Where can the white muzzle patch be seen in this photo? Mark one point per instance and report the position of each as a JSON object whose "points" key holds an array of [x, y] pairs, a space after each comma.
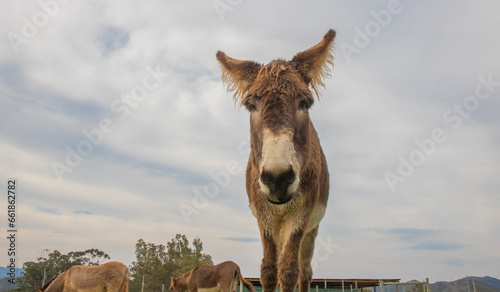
{"points": [[278, 156]]}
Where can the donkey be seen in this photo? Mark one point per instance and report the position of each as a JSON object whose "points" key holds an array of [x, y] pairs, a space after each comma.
{"points": [[287, 179], [110, 277], [222, 277]]}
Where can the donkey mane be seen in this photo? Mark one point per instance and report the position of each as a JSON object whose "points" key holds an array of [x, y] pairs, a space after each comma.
{"points": [[188, 273], [274, 69], [57, 281], [49, 282]]}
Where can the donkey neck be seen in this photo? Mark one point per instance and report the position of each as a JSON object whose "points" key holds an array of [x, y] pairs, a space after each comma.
{"points": [[182, 282], [56, 285]]}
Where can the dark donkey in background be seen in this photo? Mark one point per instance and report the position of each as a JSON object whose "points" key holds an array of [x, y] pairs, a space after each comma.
{"points": [[287, 179], [223, 277]]}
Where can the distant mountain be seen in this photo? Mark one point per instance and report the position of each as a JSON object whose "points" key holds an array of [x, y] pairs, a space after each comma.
{"points": [[494, 282], [4, 271], [481, 284], [5, 285], [4, 278]]}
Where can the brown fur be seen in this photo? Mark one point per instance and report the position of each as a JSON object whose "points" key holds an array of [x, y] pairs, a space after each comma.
{"points": [[110, 277], [222, 277], [278, 96]]}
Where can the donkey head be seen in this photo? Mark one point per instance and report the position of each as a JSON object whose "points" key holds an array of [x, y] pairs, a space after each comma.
{"points": [[173, 287], [179, 284], [278, 96]]}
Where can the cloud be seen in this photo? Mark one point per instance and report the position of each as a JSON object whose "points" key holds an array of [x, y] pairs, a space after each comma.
{"points": [[113, 39], [83, 212], [459, 263], [437, 246], [242, 239], [425, 239], [411, 234], [183, 136]]}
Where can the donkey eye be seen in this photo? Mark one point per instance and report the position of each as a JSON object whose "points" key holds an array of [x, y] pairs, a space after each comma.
{"points": [[250, 107], [304, 105]]}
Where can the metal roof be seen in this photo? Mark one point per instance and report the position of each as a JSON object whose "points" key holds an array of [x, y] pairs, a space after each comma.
{"points": [[338, 283]]}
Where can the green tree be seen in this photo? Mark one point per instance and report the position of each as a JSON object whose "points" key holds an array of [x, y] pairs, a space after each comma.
{"points": [[55, 263], [151, 265], [156, 262], [90, 257], [193, 258]]}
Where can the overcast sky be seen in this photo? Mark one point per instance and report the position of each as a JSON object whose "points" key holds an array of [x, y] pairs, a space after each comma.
{"points": [[116, 126]]}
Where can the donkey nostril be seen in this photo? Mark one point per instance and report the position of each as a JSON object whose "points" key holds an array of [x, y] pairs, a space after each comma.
{"points": [[266, 177], [289, 176]]}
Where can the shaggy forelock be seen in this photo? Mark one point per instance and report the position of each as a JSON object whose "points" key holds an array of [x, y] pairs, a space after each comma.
{"points": [[278, 78]]}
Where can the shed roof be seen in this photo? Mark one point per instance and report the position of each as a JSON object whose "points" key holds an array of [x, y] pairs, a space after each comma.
{"points": [[338, 283]]}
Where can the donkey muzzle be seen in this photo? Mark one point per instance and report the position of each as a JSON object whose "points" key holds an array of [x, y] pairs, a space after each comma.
{"points": [[278, 185]]}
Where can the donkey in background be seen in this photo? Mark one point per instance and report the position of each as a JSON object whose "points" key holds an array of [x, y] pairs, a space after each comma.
{"points": [[110, 277], [287, 179], [223, 277]]}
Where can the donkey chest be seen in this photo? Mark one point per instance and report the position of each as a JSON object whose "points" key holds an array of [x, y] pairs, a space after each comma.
{"points": [[283, 222]]}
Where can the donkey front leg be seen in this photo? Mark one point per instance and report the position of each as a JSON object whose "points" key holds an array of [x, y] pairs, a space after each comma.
{"points": [[268, 269], [306, 254], [288, 263]]}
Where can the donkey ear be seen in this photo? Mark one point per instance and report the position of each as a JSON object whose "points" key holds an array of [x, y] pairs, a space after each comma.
{"points": [[313, 63], [237, 75]]}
